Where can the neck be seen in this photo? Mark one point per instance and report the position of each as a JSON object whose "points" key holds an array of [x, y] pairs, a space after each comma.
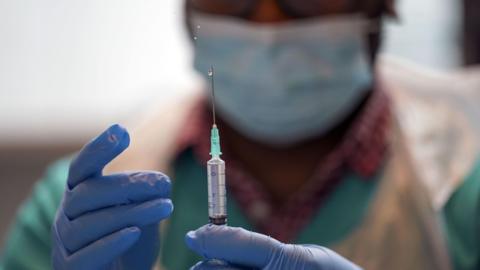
{"points": [[283, 171]]}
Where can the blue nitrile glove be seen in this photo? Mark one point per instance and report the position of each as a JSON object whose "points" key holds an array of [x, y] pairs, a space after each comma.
{"points": [[253, 250], [109, 221]]}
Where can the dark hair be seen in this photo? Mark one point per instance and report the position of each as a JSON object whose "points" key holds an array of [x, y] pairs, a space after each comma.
{"points": [[471, 32]]}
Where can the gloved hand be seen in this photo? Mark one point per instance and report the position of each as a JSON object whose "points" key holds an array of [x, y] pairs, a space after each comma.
{"points": [[109, 221], [246, 250]]}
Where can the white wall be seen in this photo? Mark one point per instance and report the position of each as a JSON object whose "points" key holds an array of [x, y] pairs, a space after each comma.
{"points": [[69, 68], [427, 33]]}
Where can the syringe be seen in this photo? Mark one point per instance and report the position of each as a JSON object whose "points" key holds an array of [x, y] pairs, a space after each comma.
{"points": [[217, 194]]}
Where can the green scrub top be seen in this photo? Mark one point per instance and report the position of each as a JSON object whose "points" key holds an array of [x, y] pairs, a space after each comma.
{"points": [[28, 245]]}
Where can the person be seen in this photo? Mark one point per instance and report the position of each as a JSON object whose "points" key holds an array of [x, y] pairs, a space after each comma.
{"points": [[329, 164]]}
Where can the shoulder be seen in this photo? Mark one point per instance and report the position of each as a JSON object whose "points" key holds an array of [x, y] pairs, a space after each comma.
{"points": [[438, 114], [29, 236], [46, 195], [460, 216]]}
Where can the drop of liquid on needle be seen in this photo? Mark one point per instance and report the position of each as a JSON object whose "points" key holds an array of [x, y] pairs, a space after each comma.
{"points": [[210, 73], [195, 38]]}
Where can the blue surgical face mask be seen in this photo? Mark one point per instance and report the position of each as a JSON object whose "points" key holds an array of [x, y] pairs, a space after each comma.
{"points": [[282, 84]]}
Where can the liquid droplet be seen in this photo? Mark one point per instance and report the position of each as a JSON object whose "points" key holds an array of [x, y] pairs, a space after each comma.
{"points": [[210, 72], [195, 38], [198, 26]]}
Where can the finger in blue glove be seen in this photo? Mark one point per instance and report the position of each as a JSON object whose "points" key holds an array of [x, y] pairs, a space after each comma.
{"points": [[242, 247], [97, 254], [216, 265], [96, 154]]}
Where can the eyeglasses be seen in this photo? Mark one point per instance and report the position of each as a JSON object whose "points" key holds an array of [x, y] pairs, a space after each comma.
{"points": [[293, 8]]}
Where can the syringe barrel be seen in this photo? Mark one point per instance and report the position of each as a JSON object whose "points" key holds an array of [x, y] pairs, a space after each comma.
{"points": [[217, 193]]}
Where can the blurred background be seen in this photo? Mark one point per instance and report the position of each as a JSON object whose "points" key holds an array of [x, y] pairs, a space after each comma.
{"points": [[68, 69]]}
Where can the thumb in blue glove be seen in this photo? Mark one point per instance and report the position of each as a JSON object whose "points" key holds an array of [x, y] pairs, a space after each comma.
{"points": [[253, 250]]}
